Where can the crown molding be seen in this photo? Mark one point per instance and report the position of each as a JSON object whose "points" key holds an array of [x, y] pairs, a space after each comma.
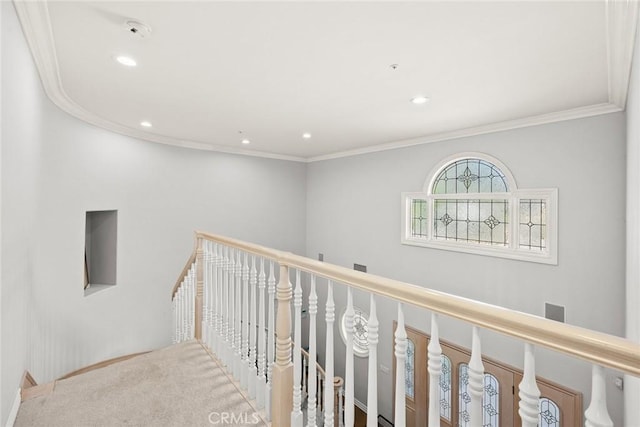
{"points": [[560, 116], [621, 25], [622, 19], [36, 24]]}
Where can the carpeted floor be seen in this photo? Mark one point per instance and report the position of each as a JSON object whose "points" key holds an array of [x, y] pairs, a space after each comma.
{"points": [[177, 386]]}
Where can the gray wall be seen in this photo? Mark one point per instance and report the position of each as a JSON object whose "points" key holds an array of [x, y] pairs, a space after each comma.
{"points": [[632, 384], [20, 154], [353, 215], [54, 169]]}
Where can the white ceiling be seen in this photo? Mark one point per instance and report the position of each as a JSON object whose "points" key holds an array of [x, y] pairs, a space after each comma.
{"points": [[274, 70]]}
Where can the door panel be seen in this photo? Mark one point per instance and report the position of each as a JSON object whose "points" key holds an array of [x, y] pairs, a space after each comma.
{"points": [[563, 410], [500, 400], [415, 378]]}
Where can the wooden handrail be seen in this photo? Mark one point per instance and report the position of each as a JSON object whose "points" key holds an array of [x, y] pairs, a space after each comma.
{"points": [[305, 354], [595, 347], [185, 270]]}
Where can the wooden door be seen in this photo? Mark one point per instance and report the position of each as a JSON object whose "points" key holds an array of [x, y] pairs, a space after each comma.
{"points": [[415, 378], [559, 406], [497, 400]]}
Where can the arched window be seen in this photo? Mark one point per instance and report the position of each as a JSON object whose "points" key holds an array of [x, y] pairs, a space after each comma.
{"points": [[445, 389], [409, 369], [471, 203], [549, 413]]}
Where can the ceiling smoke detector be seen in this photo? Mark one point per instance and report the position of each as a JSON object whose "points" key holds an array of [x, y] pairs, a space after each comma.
{"points": [[138, 28]]}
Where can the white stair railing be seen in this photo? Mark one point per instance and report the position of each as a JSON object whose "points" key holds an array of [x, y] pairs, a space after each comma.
{"points": [[529, 405], [476, 380], [312, 384], [220, 299], [261, 389], [434, 363], [271, 291], [252, 362], [328, 361], [349, 385], [296, 413], [401, 356], [596, 414], [372, 386]]}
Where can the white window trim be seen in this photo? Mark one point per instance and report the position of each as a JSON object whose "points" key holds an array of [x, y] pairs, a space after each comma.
{"points": [[513, 250]]}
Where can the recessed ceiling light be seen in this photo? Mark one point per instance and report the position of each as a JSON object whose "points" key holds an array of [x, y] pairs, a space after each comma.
{"points": [[420, 100], [306, 135], [145, 124], [126, 60], [246, 141]]}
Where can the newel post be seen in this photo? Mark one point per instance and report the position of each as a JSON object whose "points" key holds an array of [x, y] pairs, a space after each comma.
{"points": [[199, 289], [282, 401]]}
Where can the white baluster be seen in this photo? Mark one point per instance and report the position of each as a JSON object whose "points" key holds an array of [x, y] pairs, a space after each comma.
{"points": [[237, 359], [328, 384], [435, 371], [213, 316], [296, 413], [244, 353], [227, 309], [271, 343], [372, 386], [312, 381], [349, 380], [219, 260], [262, 347], [180, 314], [251, 361], [232, 310], [206, 293], [176, 300], [204, 326], [401, 357], [173, 320], [185, 308], [529, 393], [213, 297], [596, 414], [222, 303], [476, 381], [188, 296], [176, 325]]}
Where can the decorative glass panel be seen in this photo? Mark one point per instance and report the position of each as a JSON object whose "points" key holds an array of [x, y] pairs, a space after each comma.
{"points": [[549, 413], [464, 398], [445, 389], [468, 220], [409, 370], [470, 176], [419, 218], [533, 224], [491, 401]]}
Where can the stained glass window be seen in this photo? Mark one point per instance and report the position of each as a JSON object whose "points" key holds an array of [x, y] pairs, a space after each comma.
{"points": [[470, 176], [419, 218], [533, 224], [490, 399], [464, 398], [472, 204], [470, 220], [409, 370], [549, 413], [445, 389]]}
